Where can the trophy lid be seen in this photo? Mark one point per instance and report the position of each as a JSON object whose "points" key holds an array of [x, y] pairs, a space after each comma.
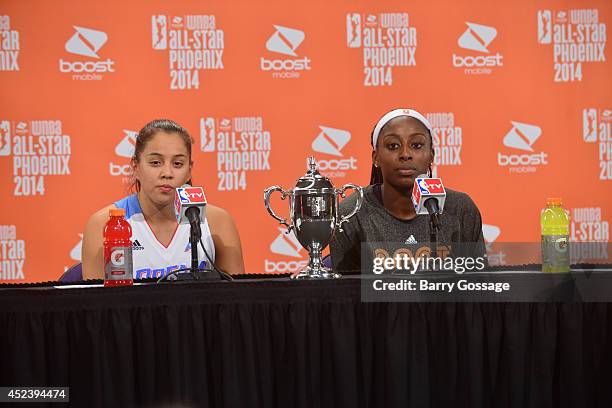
{"points": [[313, 180]]}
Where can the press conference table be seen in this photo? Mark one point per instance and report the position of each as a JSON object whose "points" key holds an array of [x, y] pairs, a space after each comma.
{"points": [[280, 343]]}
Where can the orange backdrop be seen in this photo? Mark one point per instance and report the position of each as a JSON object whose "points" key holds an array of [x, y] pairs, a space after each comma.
{"points": [[520, 94]]}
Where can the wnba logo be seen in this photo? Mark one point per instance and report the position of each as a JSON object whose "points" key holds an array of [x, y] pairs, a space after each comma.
{"points": [[353, 30], [596, 124], [159, 32], [597, 128], [589, 125], [544, 26], [5, 138], [207, 134]]}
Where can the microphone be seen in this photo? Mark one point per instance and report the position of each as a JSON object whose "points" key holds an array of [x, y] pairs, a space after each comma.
{"points": [[190, 207], [428, 196]]}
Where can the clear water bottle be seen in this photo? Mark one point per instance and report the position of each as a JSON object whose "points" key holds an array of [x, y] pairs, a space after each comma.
{"points": [[554, 222]]}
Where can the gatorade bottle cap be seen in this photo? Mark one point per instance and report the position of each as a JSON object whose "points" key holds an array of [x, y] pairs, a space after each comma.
{"points": [[554, 201], [117, 212]]}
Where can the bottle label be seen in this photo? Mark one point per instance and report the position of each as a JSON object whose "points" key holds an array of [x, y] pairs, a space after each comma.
{"points": [[119, 264], [555, 251]]}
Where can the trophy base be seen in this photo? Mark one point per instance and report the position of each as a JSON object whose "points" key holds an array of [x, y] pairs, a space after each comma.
{"points": [[319, 273]]}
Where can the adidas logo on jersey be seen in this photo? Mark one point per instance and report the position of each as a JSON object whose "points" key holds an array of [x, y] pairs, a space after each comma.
{"points": [[136, 246], [411, 240]]}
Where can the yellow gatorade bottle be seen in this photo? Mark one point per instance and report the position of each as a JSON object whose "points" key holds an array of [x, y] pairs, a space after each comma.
{"points": [[554, 222]]}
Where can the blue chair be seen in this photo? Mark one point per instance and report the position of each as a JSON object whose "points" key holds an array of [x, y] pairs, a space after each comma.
{"points": [[327, 261], [73, 274]]}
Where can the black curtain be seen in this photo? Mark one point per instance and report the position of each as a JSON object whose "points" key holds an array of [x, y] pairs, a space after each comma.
{"points": [[301, 344]]}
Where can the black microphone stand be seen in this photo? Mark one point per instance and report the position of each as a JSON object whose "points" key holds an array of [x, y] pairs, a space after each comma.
{"points": [[432, 207], [433, 236], [193, 241], [195, 235]]}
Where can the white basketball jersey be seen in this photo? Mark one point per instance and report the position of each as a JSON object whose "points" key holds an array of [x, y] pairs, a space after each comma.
{"points": [[151, 258]]}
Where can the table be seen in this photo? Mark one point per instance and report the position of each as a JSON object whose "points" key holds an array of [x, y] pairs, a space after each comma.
{"points": [[279, 343]]}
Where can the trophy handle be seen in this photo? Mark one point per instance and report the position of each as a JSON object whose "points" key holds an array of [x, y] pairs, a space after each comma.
{"points": [[342, 193], [267, 193]]}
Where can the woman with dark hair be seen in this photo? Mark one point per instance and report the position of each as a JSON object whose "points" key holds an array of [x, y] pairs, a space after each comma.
{"points": [[161, 163], [402, 150]]}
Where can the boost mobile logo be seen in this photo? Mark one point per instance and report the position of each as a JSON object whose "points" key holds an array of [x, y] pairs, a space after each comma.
{"points": [[331, 141], [287, 245], [75, 253], [490, 234], [285, 41], [127, 145], [477, 37], [522, 137], [86, 42], [125, 148]]}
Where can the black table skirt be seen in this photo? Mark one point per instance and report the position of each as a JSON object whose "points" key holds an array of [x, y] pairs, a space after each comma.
{"points": [[301, 344]]}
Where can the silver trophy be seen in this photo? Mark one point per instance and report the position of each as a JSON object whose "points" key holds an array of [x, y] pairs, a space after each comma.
{"points": [[313, 208]]}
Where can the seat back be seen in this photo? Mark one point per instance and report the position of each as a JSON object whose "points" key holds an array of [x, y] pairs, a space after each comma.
{"points": [[73, 274], [327, 261]]}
